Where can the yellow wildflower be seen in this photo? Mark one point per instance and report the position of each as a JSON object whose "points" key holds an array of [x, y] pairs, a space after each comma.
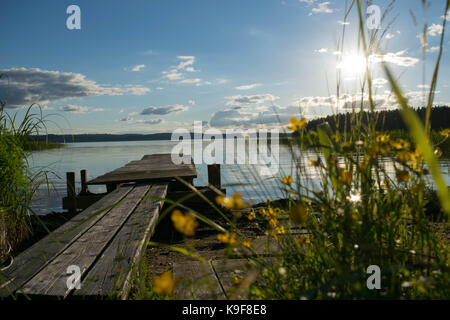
{"points": [[345, 177], [237, 280], [397, 144], [383, 138], [281, 230], [229, 238], [273, 222], [402, 175], [274, 235], [404, 156], [416, 159], [269, 212], [287, 180], [297, 125], [335, 137], [247, 243], [438, 152], [233, 203], [314, 163], [251, 216], [445, 133], [302, 241], [164, 284], [184, 223], [298, 213]]}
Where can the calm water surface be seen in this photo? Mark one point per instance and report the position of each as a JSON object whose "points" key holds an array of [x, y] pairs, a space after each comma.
{"points": [[101, 157]]}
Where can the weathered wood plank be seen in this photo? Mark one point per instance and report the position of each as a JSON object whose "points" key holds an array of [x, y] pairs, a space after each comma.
{"points": [[143, 176], [33, 259], [227, 271], [199, 281], [163, 156], [51, 280], [157, 167], [112, 272]]}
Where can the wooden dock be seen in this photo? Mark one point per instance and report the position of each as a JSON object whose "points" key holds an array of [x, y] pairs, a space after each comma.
{"points": [[105, 241]]}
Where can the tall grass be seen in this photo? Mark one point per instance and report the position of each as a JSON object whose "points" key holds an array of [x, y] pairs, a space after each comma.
{"points": [[17, 184], [362, 215]]}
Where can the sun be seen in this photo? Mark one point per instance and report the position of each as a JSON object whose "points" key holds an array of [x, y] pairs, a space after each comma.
{"points": [[352, 65]]}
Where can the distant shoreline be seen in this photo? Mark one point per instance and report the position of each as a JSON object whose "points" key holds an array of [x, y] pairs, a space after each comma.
{"points": [[77, 138]]}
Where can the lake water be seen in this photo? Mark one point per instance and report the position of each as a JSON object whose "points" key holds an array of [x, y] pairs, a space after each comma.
{"points": [[101, 157]]}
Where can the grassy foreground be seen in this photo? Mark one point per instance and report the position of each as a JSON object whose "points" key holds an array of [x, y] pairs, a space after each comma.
{"points": [[366, 233], [17, 184]]}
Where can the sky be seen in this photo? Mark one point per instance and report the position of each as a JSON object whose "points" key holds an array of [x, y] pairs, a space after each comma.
{"points": [[147, 66]]}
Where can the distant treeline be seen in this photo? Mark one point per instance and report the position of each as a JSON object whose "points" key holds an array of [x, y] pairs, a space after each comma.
{"points": [[387, 120], [67, 138]]}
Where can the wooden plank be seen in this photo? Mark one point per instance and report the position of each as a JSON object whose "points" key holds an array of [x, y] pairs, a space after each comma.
{"points": [[198, 281], [114, 268], [51, 280], [157, 167], [163, 156], [33, 259], [147, 176], [226, 271]]}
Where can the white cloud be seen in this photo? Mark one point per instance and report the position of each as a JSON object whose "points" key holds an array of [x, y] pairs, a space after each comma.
{"points": [[389, 36], [396, 58], [379, 82], [151, 121], [248, 86], [310, 107], [191, 81], [79, 109], [221, 81], [434, 30], [163, 110], [191, 102], [239, 100], [322, 8], [149, 53], [307, 1], [130, 120], [178, 73], [433, 49], [321, 50], [343, 22], [138, 68], [22, 87]]}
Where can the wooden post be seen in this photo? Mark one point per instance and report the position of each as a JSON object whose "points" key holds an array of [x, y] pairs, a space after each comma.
{"points": [[71, 194], [84, 187], [214, 175], [110, 187]]}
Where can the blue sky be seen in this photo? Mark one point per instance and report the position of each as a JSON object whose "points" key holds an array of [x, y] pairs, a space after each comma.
{"points": [[154, 65]]}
